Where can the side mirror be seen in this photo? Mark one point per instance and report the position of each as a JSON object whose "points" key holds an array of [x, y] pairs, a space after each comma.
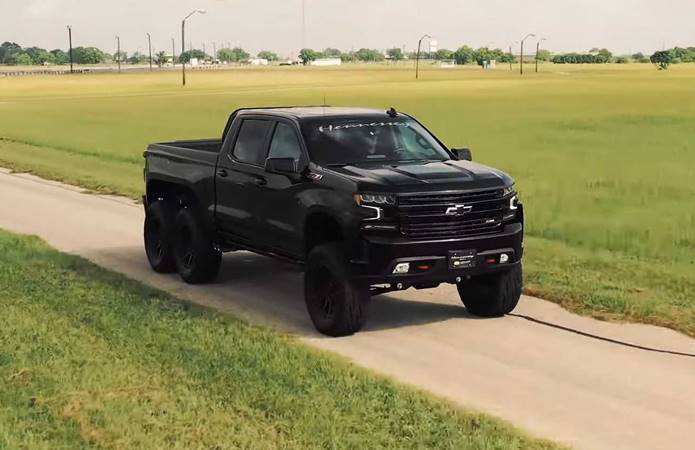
{"points": [[283, 166], [463, 154]]}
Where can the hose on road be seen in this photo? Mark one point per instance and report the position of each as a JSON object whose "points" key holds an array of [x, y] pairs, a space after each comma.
{"points": [[601, 338]]}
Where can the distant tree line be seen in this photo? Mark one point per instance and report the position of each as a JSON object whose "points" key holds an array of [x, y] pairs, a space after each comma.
{"points": [[13, 54]]}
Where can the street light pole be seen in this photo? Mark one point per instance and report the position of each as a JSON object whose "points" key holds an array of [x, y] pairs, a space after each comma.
{"points": [[538, 48], [173, 52], [417, 57], [70, 41], [118, 53], [149, 46], [183, 41], [521, 57]]}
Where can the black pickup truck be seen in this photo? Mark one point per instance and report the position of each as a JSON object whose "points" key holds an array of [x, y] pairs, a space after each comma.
{"points": [[367, 201]]}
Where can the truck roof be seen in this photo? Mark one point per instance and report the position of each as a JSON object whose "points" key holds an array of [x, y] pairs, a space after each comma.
{"points": [[306, 112]]}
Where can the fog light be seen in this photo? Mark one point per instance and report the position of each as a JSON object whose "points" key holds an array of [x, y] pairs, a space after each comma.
{"points": [[504, 258], [402, 268]]}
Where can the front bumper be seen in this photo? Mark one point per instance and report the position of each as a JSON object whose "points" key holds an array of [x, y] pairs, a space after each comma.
{"points": [[379, 256]]}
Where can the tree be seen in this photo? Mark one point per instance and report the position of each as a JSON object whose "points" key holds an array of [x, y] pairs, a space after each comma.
{"points": [[39, 55], [443, 54], [307, 55], [160, 59], [138, 58], [267, 54], [544, 55], [60, 57], [396, 54], [331, 53], [662, 59], [369, 55], [122, 57], [88, 55], [21, 59], [464, 55], [639, 57], [194, 54], [7, 50], [621, 60], [606, 55], [235, 54]]}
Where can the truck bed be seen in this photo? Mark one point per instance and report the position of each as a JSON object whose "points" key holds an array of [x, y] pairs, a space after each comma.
{"points": [[202, 151]]}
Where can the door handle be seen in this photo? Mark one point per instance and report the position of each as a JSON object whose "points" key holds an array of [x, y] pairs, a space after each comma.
{"points": [[260, 181], [222, 173]]}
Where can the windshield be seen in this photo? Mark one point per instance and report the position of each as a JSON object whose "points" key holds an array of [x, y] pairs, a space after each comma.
{"points": [[339, 142]]}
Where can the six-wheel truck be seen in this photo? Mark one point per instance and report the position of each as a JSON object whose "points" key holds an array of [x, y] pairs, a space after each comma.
{"points": [[367, 201]]}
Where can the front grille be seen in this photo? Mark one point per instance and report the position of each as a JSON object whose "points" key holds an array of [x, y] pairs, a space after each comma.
{"points": [[424, 216]]}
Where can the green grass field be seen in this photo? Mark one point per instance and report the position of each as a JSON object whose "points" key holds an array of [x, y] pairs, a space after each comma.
{"points": [[604, 156], [90, 359]]}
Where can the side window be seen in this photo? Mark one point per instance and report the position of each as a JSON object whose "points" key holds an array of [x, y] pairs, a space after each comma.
{"points": [[250, 143], [285, 143]]}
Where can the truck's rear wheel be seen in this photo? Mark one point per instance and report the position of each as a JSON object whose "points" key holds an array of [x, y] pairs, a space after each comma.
{"points": [[337, 305], [159, 223], [196, 258], [492, 295]]}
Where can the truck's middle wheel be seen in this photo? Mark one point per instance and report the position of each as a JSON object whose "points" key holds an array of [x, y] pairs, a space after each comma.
{"points": [[196, 258], [336, 304]]}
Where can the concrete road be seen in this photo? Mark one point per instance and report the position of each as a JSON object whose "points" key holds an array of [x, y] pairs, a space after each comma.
{"points": [[555, 383]]}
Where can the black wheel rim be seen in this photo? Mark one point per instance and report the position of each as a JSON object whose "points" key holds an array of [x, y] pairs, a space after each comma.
{"points": [[155, 243], [187, 255], [327, 293]]}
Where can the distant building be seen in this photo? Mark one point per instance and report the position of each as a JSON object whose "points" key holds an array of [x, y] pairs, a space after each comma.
{"points": [[447, 63], [258, 62], [326, 62]]}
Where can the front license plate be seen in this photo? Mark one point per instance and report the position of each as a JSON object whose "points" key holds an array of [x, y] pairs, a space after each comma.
{"points": [[462, 259]]}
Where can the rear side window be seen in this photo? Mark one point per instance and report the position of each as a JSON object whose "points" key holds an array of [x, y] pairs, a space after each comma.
{"points": [[285, 143], [250, 146]]}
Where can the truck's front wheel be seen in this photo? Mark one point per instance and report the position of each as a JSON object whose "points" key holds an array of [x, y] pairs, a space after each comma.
{"points": [[492, 295], [336, 304], [196, 258], [159, 221]]}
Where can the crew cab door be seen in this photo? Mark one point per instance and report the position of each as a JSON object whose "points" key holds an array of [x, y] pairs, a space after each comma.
{"points": [[240, 173], [281, 214]]}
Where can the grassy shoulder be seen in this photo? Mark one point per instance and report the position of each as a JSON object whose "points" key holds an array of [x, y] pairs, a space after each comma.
{"points": [[89, 358]]}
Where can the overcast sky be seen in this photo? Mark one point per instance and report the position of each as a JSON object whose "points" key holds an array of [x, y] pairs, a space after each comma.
{"points": [[570, 25]]}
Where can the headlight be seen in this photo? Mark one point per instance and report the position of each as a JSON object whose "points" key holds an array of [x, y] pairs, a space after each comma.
{"points": [[375, 199], [514, 203], [508, 190]]}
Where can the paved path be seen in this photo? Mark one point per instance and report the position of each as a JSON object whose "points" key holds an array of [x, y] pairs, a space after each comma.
{"points": [[554, 383]]}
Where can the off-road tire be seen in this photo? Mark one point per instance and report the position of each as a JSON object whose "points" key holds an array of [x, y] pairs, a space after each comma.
{"points": [[158, 236], [337, 305], [492, 295], [197, 261]]}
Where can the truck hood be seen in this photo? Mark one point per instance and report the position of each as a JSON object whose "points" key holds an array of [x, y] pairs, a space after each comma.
{"points": [[431, 176]]}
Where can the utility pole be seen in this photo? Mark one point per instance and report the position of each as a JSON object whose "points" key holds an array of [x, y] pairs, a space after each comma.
{"points": [[149, 46], [118, 53], [173, 52], [538, 48], [511, 56], [183, 40], [214, 51], [417, 57], [521, 57], [70, 42]]}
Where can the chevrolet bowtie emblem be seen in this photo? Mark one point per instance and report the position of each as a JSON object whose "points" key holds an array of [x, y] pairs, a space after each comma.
{"points": [[458, 210]]}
